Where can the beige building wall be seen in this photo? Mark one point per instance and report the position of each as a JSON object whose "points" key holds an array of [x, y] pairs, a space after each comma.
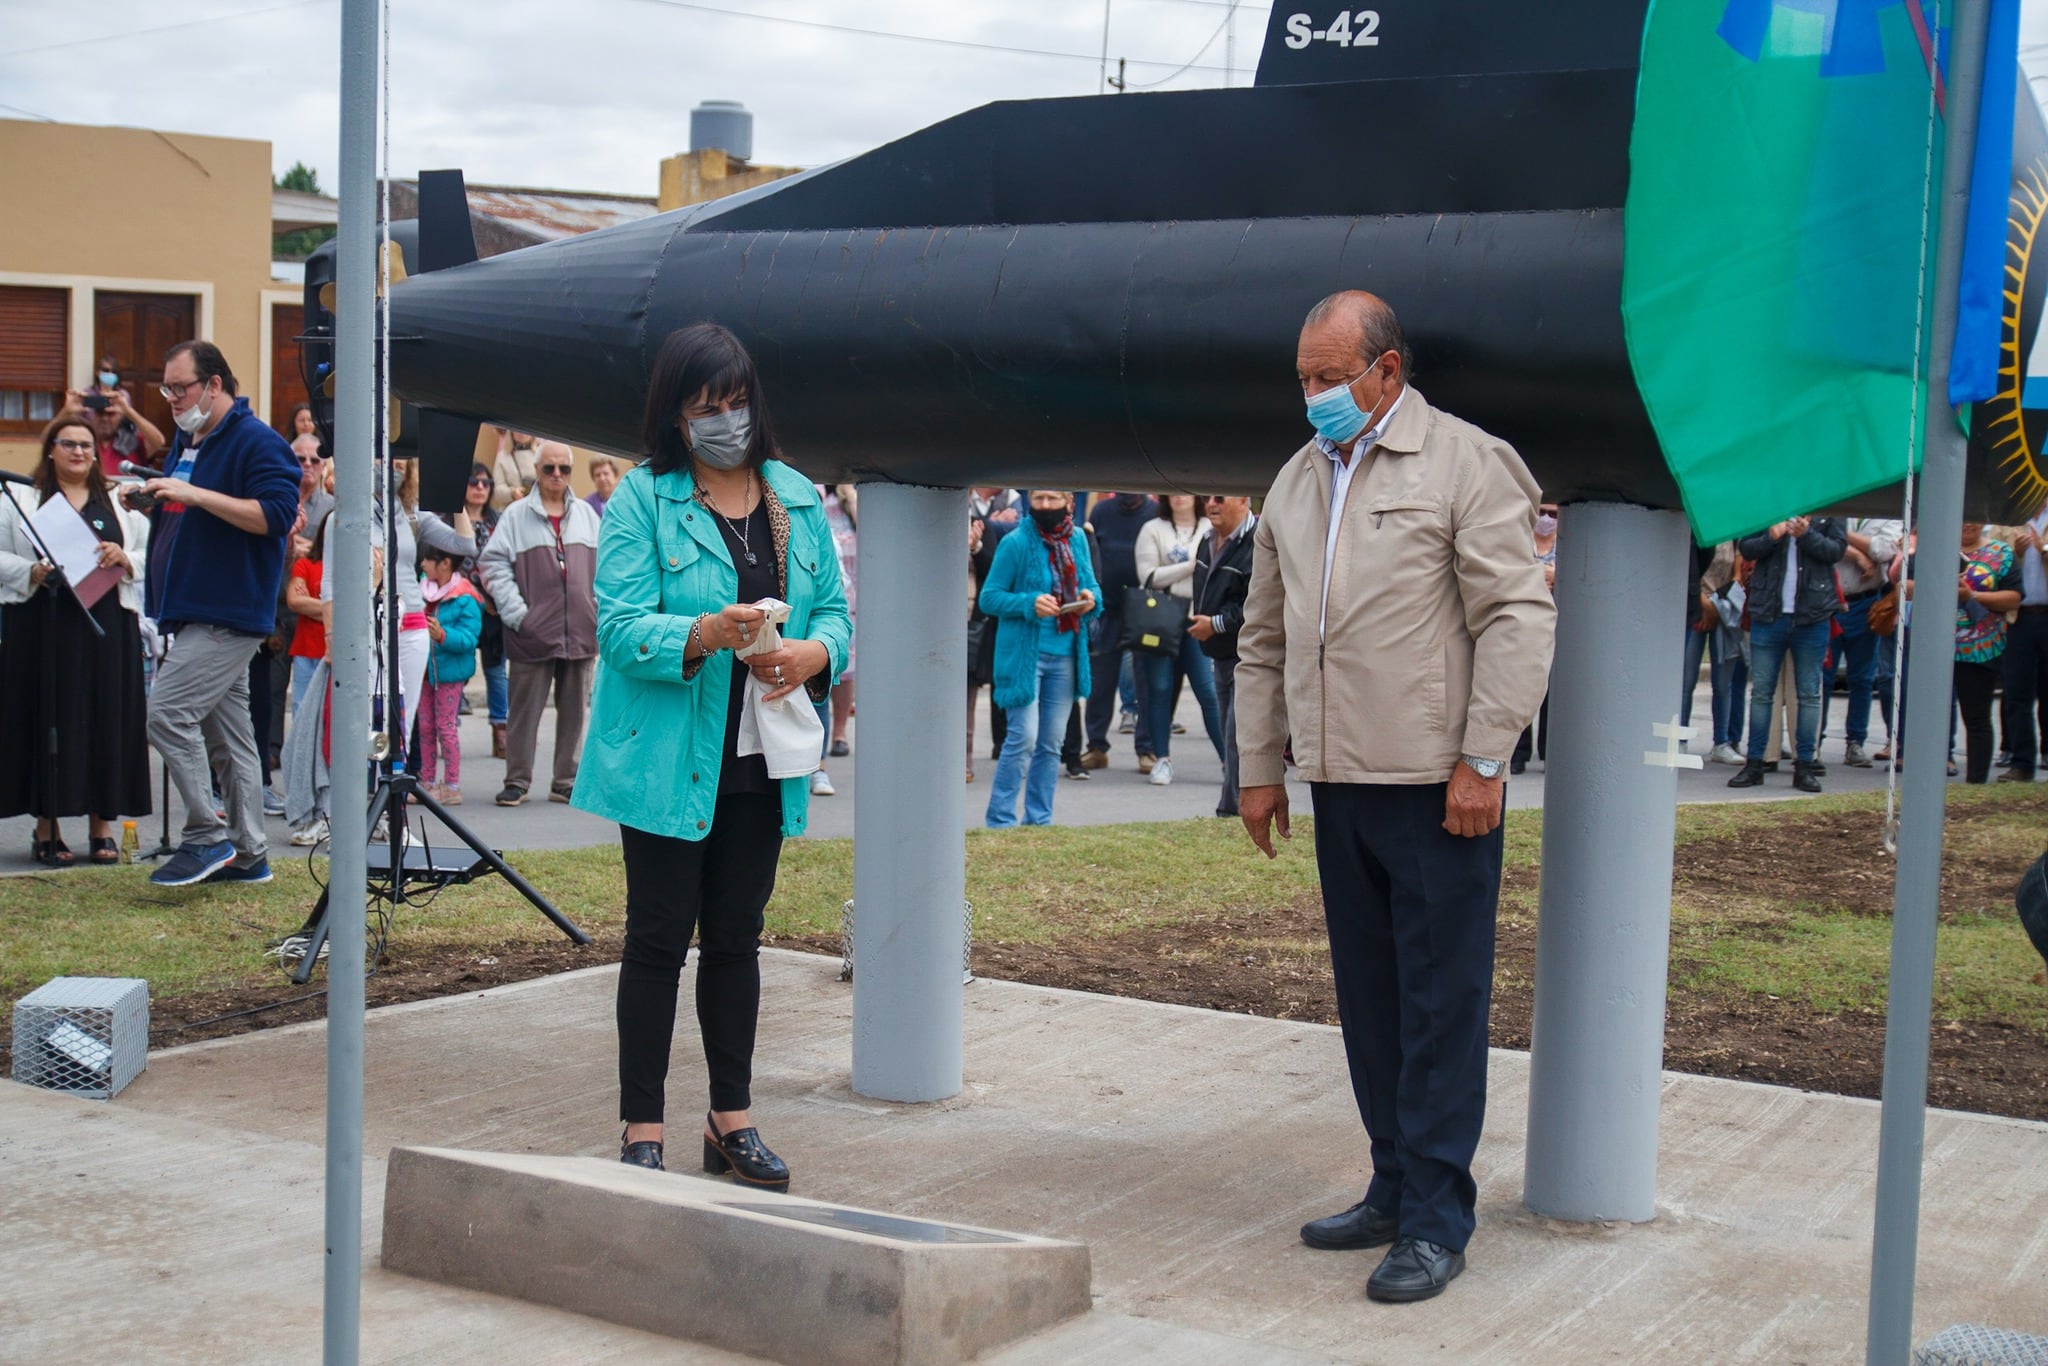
{"points": [[693, 177], [131, 209]]}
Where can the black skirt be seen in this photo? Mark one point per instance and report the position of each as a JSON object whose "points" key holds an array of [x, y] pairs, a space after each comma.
{"points": [[73, 719]]}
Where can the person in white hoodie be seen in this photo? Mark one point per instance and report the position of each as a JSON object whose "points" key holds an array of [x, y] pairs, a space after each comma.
{"points": [[1166, 560]]}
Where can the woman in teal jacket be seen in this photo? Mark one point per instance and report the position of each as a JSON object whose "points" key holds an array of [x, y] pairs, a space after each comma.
{"points": [[711, 523], [1041, 590]]}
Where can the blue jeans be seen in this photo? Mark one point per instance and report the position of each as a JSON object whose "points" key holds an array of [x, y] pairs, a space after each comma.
{"points": [[1033, 743], [302, 674], [1769, 643], [497, 697], [1159, 672], [1859, 663]]}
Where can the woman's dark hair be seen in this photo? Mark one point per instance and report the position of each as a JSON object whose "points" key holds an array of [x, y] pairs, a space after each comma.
{"points": [[1166, 507], [318, 552], [706, 359], [476, 468], [46, 468], [207, 362]]}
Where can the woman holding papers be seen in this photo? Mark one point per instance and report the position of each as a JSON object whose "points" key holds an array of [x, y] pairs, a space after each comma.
{"points": [[710, 524], [72, 716]]}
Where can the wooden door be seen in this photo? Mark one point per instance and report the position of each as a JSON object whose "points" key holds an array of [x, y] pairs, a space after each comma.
{"points": [[136, 330], [287, 385]]}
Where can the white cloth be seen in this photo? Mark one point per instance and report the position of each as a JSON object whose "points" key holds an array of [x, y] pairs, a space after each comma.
{"points": [[2034, 565], [1340, 488], [1791, 574], [786, 733]]}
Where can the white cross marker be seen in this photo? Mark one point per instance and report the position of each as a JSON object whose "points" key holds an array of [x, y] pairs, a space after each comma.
{"points": [[1672, 734]]}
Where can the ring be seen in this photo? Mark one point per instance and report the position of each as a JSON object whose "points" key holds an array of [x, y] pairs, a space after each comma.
{"points": [[778, 673]]}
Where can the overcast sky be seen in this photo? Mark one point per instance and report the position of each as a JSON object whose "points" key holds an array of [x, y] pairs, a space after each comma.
{"points": [[589, 95]]}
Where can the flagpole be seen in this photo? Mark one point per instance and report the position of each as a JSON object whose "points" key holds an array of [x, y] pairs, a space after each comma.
{"points": [[1929, 665]]}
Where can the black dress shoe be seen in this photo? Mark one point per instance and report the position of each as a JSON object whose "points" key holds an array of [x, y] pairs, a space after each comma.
{"points": [[1414, 1270], [1751, 774], [646, 1153], [745, 1156], [1359, 1226], [1806, 777]]}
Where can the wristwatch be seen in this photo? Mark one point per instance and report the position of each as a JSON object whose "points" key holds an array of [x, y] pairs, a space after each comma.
{"points": [[1488, 769]]}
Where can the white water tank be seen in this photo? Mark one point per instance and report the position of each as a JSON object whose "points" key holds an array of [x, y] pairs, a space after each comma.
{"points": [[724, 124]]}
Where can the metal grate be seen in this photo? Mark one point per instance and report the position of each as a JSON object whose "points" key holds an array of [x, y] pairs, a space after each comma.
{"points": [[1973, 1344], [88, 1036], [966, 942]]}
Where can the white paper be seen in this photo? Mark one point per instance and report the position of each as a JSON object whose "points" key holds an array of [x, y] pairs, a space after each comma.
{"points": [[75, 549], [787, 732]]}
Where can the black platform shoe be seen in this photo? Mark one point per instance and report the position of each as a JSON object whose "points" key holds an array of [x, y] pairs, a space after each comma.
{"points": [[745, 1156], [646, 1153]]}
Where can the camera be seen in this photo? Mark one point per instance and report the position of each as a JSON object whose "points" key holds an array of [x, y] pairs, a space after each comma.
{"points": [[136, 498], [98, 403]]}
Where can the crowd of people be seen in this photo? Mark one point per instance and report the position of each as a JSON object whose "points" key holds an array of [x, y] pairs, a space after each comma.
{"points": [[1089, 615]]}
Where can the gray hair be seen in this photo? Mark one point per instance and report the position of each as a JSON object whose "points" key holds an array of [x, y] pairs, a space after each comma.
{"points": [[1379, 331]]}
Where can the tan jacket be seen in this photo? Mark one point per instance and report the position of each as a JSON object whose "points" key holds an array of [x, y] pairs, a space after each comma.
{"points": [[1440, 628]]}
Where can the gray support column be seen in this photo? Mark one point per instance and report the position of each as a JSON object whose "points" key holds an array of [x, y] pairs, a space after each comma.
{"points": [[348, 560], [1929, 664], [1609, 812], [909, 856]]}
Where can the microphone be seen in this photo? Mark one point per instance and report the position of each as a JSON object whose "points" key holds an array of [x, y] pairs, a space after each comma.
{"points": [[9, 476], [140, 471]]}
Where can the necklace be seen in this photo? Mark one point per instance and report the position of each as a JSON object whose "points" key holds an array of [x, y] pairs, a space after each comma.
{"points": [[738, 530]]}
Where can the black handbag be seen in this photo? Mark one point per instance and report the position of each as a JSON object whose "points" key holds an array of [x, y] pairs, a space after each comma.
{"points": [[1154, 621], [2032, 901]]}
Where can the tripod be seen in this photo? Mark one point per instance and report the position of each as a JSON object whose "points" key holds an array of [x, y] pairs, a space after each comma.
{"points": [[393, 864]]}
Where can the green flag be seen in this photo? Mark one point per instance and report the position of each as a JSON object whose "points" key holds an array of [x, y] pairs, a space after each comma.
{"points": [[1778, 259]]}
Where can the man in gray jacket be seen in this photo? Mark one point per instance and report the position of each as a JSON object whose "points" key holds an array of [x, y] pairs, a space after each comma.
{"points": [[1398, 627], [540, 568]]}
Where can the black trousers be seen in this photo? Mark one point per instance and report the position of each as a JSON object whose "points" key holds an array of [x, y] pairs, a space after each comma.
{"points": [[716, 887], [2026, 685], [1410, 909], [1974, 686]]}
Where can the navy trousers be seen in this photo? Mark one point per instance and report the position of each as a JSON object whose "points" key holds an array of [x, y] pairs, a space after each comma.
{"points": [[1411, 910]]}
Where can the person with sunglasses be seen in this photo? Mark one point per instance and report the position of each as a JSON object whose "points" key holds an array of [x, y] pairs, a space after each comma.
{"points": [[72, 715], [540, 570], [217, 559], [477, 501]]}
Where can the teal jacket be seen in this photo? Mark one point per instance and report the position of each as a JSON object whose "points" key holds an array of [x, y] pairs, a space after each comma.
{"points": [[1021, 571], [462, 622], [655, 742]]}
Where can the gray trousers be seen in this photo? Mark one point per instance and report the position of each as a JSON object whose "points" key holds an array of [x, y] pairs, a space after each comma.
{"points": [[1226, 704], [570, 679], [198, 714]]}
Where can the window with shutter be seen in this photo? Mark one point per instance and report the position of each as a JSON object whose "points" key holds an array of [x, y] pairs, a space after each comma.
{"points": [[34, 342]]}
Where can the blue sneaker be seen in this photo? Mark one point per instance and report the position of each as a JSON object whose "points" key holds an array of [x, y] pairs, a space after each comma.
{"points": [[193, 863], [259, 871]]}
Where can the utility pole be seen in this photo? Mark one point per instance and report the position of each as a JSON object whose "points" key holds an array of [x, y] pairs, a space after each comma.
{"points": [[1230, 45], [1118, 80], [1102, 74]]}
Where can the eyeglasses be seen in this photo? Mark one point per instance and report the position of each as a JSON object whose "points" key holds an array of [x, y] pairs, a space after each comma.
{"points": [[312, 461], [174, 392], [482, 481], [552, 469], [79, 446]]}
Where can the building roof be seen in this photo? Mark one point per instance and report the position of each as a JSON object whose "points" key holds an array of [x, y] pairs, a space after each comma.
{"points": [[551, 214], [292, 210]]}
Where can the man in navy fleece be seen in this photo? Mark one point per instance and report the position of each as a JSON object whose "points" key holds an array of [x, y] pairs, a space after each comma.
{"points": [[226, 508]]}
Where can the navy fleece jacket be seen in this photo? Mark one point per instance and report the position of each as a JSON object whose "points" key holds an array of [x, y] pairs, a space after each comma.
{"points": [[213, 573]]}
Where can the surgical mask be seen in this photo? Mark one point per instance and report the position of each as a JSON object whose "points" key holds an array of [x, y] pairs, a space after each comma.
{"points": [[1546, 524], [1336, 415], [720, 440], [109, 378], [1049, 519], [192, 419]]}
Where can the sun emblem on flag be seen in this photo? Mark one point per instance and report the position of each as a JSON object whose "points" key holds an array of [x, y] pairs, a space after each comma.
{"points": [[2016, 417]]}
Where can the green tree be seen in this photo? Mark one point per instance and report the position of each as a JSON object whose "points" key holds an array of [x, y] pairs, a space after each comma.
{"points": [[297, 246]]}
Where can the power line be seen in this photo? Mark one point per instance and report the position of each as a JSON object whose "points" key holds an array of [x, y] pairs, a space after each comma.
{"points": [[1190, 62], [161, 28], [909, 37]]}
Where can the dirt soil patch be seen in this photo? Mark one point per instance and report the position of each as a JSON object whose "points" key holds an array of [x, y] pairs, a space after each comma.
{"points": [[1273, 961]]}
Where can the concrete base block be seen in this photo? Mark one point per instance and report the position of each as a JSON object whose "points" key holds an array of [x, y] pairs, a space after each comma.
{"points": [[770, 1275]]}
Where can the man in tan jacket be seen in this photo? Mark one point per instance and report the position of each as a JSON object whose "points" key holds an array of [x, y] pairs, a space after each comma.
{"points": [[1398, 628]]}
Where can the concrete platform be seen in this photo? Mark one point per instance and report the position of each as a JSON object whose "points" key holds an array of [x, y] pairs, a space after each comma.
{"points": [[795, 1280], [1182, 1146]]}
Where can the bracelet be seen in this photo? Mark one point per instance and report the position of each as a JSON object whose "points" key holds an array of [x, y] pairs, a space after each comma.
{"points": [[697, 635]]}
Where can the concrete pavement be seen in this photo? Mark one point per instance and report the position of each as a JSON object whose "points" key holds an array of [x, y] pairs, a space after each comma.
{"points": [[1183, 1146]]}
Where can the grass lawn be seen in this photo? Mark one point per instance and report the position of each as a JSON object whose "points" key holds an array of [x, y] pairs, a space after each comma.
{"points": [[1779, 909]]}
